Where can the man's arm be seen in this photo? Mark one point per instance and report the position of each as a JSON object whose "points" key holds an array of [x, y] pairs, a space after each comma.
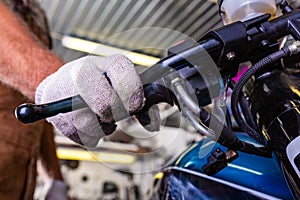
{"points": [[24, 62]]}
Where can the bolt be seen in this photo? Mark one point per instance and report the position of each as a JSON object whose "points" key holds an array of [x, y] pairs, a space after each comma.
{"points": [[294, 48], [264, 43], [230, 55]]}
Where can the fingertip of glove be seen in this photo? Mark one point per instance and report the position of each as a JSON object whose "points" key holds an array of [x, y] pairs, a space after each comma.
{"points": [[137, 100], [126, 82]]}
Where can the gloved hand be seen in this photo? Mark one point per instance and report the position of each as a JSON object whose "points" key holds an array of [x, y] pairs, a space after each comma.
{"points": [[110, 86], [55, 190]]}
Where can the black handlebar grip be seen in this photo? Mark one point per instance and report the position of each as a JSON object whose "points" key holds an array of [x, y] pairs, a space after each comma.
{"points": [[29, 113]]}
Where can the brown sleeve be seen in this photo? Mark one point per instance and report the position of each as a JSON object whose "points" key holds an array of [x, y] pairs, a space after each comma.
{"points": [[24, 62], [48, 155]]}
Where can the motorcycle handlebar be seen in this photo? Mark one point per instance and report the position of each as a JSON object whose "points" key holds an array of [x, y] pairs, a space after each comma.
{"points": [[216, 43], [29, 113]]}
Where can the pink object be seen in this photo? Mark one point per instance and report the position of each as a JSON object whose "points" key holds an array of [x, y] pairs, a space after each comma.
{"points": [[241, 71]]}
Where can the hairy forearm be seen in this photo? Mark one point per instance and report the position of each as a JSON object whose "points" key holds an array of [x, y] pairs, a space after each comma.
{"points": [[24, 62]]}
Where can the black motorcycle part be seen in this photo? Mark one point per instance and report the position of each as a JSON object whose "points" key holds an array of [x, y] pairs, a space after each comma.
{"points": [[275, 104]]}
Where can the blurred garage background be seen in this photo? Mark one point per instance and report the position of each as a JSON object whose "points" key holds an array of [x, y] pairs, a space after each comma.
{"points": [[124, 164]]}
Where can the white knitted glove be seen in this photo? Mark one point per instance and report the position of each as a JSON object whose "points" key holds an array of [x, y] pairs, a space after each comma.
{"points": [[55, 190], [110, 86]]}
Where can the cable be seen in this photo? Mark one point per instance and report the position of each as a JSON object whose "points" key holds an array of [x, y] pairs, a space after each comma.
{"points": [[229, 139], [190, 108], [245, 109], [224, 135], [247, 113], [237, 91], [228, 119]]}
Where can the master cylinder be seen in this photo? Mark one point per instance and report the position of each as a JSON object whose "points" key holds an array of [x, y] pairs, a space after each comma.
{"points": [[241, 10]]}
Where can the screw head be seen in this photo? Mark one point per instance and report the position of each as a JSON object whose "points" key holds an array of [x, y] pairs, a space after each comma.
{"points": [[230, 55]]}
